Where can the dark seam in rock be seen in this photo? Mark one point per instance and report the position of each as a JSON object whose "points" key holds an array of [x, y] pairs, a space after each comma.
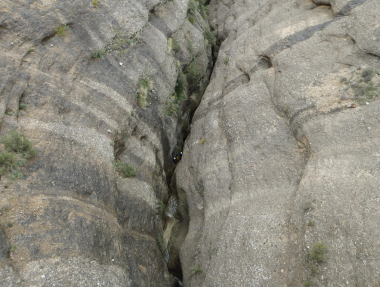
{"points": [[297, 38], [348, 7]]}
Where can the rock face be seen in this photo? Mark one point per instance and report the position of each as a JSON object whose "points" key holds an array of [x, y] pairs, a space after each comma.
{"points": [[89, 82], [281, 163], [278, 159]]}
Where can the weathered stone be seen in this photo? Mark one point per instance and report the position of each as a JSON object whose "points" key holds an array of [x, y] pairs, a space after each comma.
{"points": [[274, 146], [78, 66]]}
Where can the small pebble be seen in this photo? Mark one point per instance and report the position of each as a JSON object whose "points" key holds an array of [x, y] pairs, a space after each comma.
{"points": [[12, 43], [51, 45], [366, 103], [121, 64], [369, 128]]}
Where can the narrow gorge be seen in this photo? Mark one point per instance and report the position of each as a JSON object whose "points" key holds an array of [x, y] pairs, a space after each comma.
{"points": [[273, 104]]}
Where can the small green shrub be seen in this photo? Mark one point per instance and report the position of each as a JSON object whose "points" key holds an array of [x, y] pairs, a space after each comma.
{"points": [[144, 86], [308, 206], [95, 3], [190, 47], [61, 31], [209, 36], [160, 206], [180, 87], [203, 9], [193, 73], [98, 54], [366, 72], [160, 245], [311, 223], [226, 60], [196, 269], [12, 249], [176, 48], [18, 143], [313, 270], [318, 252], [192, 7], [133, 113], [307, 284], [124, 169], [22, 106], [9, 112]]}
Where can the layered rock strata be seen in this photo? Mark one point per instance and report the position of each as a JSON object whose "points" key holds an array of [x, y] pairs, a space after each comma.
{"points": [[91, 82], [283, 151]]}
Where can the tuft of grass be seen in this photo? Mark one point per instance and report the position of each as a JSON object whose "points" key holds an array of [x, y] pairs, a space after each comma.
{"points": [[313, 270], [209, 36], [160, 206], [133, 113], [196, 269], [95, 3], [308, 206], [9, 112], [22, 106], [366, 72], [12, 249], [193, 73], [98, 54], [318, 252], [61, 31], [307, 284], [124, 169], [180, 87], [144, 86], [175, 47], [311, 223], [225, 61], [203, 141]]}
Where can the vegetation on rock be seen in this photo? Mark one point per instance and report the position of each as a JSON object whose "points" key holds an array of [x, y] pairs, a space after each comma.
{"points": [[17, 150], [318, 252], [124, 169]]}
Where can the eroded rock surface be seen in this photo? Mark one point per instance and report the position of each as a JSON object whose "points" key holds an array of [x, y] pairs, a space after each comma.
{"points": [[70, 72], [283, 151]]}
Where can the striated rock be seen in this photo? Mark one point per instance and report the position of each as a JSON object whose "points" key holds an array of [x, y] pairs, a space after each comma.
{"points": [[73, 78], [278, 159]]}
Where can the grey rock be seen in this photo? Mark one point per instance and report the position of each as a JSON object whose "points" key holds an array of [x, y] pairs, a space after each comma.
{"points": [[273, 135], [77, 66]]}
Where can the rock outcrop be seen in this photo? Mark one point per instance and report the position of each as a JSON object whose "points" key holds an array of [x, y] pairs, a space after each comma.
{"points": [[283, 151], [278, 184], [94, 86]]}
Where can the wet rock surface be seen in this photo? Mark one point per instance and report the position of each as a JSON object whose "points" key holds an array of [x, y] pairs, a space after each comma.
{"points": [[282, 152]]}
